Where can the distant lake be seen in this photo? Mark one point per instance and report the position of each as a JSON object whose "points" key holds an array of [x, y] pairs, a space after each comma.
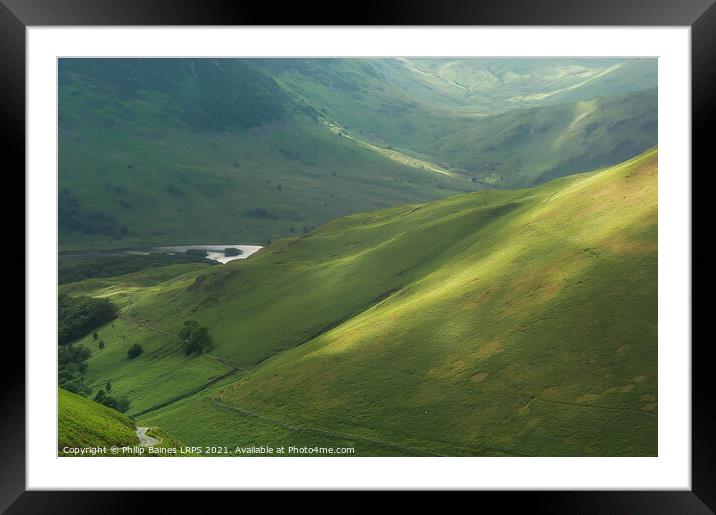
{"points": [[215, 252]]}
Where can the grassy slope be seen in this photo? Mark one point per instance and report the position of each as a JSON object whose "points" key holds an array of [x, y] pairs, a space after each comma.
{"points": [[84, 423], [500, 322], [375, 99], [120, 289], [537, 336]]}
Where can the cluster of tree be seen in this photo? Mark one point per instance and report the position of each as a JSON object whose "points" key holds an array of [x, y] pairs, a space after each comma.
{"points": [[196, 252], [80, 315], [77, 314], [194, 338], [100, 342], [107, 266], [230, 251], [71, 367], [260, 212], [174, 191], [102, 396]]}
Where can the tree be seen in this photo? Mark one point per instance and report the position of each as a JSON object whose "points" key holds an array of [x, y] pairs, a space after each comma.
{"points": [[78, 316], [194, 338], [188, 329], [99, 395], [108, 386], [134, 351], [71, 365], [121, 405]]}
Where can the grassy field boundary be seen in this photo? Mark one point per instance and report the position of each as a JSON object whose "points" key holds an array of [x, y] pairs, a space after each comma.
{"points": [[185, 395], [323, 432]]}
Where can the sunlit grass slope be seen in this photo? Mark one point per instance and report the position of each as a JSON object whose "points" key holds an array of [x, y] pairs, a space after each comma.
{"points": [[84, 423], [535, 335], [494, 323]]}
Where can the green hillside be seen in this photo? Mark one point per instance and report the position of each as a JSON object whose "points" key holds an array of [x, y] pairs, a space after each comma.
{"points": [[409, 103], [85, 423], [492, 323], [377, 100]]}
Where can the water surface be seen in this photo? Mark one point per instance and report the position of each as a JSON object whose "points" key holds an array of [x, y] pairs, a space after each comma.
{"points": [[215, 252]]}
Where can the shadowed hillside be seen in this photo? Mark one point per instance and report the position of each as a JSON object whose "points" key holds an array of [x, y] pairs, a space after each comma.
{"points": [[169, 151]]}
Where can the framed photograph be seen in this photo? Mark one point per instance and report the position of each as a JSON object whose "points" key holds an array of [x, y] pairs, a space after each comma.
{"points": [[445, 248]]}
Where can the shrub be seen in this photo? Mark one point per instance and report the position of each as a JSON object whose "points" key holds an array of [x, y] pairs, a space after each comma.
{"points": [[121, 405], [134, 351], [71, 365]]}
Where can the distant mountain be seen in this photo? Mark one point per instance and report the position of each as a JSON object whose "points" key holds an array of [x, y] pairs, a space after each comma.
{"points": [[495, 85], [190, 150], [184, 150], [508, 123], [531, 146]]}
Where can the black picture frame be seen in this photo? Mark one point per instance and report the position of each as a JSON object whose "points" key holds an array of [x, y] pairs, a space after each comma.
{"points": [[16, 15]]}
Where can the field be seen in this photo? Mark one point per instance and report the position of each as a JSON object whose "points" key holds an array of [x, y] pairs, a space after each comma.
{"points": [[499, 322]]}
